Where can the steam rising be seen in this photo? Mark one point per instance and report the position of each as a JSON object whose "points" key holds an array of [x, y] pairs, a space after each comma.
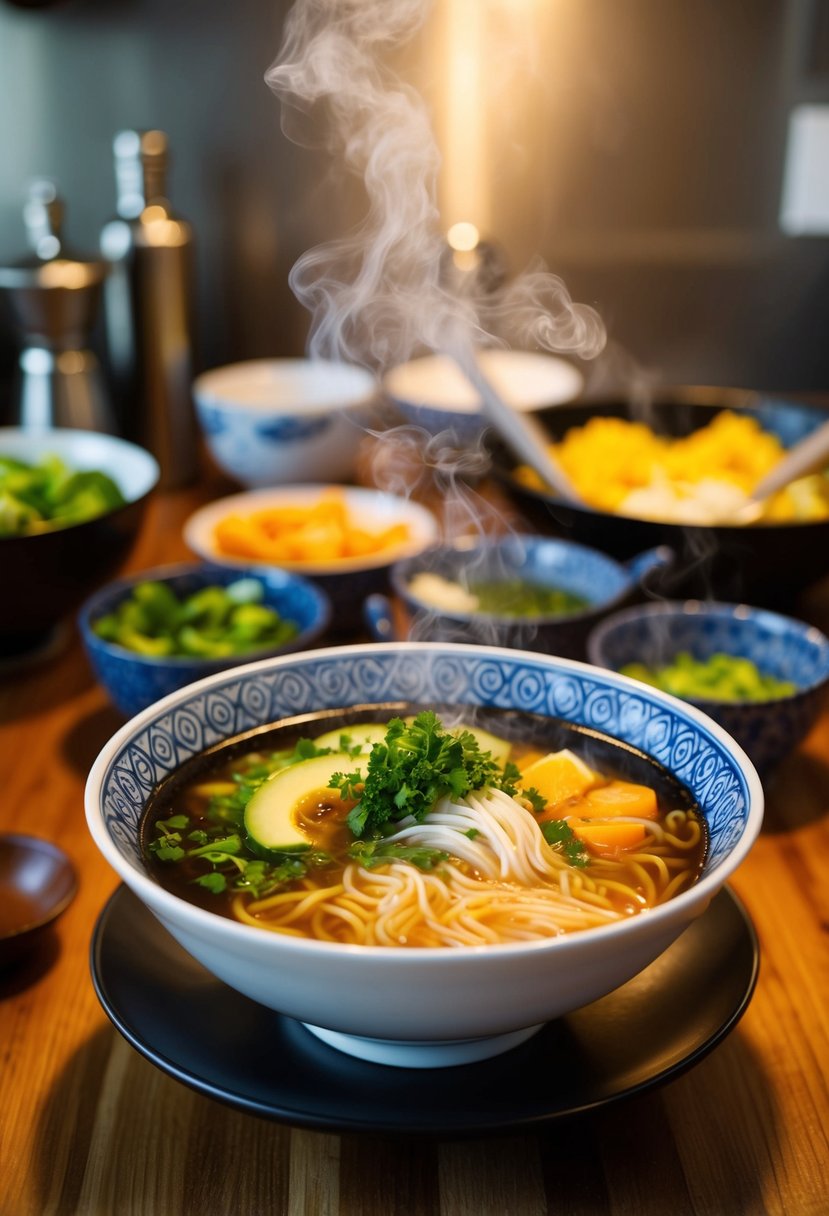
{"points": [[378, 295]]}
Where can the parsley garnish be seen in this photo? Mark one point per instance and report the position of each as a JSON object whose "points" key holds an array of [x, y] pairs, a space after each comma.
{"points": [[220, 843], [418, 763], [558, 832], [372, 853]]}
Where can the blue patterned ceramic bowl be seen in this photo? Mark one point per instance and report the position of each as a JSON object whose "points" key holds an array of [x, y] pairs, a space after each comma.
{"points": [[423, 1006], [269, 422], [603, 583], [134, 681], [779, 645]]}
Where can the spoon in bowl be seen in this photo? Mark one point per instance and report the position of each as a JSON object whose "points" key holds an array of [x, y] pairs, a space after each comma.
{"points": [[523, 433], [805, 457]]}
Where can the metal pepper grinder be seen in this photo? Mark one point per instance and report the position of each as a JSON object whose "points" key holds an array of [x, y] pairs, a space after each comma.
{"points": [[52, 297]]}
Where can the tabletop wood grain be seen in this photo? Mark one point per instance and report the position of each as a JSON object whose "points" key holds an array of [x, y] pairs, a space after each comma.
{"points": [[87, 1125]]}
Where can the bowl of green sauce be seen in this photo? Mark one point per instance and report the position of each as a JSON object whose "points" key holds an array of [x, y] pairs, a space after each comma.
{"points": [[762, 675], [525, 592]]}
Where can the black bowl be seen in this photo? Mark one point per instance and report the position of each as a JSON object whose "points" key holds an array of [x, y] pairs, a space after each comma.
{"points": [[49, 574], [767, 564]]}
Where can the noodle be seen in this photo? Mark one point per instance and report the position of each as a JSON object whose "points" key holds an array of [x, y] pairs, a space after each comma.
{"points": [[503, 883], [472, 870]]}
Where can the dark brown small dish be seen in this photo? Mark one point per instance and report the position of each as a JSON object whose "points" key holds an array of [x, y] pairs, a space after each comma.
{"points": [[37, 883]]}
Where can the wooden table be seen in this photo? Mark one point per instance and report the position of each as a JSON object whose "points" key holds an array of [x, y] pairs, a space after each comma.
{"points": [[87, 1125]]}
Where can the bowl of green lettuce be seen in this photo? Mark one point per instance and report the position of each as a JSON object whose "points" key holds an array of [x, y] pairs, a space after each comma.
{"points": [[71, 505]]}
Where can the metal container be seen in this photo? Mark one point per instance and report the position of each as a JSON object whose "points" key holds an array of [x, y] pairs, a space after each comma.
{"points": [[148, 308], [52, 298]]}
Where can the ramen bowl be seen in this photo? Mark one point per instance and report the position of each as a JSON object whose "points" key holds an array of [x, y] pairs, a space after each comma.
{"points": [[764, 563], [348, 579], [134, 680], [545, 594], [47, 575], [270, 422], [779, 646], [423, 1007]]}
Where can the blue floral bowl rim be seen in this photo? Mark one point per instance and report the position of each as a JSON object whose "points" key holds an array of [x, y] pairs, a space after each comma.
{"points": [[121, 587], [201, 920]]}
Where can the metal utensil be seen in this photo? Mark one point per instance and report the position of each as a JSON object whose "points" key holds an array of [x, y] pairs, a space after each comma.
{"points": [[528, 440], [805, 457]]}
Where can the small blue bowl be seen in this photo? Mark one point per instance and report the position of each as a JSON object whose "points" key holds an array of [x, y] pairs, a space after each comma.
{"points": [[780, 646], [134, 681], [604, 583]]}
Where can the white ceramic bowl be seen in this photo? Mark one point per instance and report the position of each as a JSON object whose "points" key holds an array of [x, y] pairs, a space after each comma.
{"points": [[426, 1007], [272, 421], [433, 393], [347, 581]]}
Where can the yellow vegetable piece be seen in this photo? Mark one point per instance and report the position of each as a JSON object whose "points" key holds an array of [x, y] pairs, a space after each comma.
{"points": [[558, 776], [609, 458]]}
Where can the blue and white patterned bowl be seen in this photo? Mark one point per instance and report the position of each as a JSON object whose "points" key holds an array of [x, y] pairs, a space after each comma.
{"points": [[543, 561], [779, 645], [269, 422], [423, 1006], [134, 681]]}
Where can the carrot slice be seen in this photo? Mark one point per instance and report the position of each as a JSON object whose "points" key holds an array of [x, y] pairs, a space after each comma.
{"points": [[606, 837], [618, 798]]}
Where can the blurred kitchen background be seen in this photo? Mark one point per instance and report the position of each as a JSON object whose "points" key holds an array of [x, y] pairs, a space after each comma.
{"points": [[669, 160]]}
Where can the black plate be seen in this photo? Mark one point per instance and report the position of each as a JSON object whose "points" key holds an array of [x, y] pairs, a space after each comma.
{"points": [[205, 1034]]}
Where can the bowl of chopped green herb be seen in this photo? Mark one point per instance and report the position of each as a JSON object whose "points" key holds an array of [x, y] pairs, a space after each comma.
{"points": [[155, 631], [71, 505], [760, 674]]}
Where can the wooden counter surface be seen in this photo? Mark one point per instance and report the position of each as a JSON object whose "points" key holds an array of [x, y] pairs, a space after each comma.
{"points": [[87, 1125]]}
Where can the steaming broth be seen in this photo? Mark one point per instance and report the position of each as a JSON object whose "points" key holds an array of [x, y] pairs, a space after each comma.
{"points": [[613, 834]]}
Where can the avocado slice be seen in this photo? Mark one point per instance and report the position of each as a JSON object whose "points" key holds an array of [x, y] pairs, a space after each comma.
{"points": [[270, 815], [366, 734]]}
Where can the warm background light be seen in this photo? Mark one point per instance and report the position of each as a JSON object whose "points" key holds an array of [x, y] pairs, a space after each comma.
{"points": [[489, 56], [463, 237]]}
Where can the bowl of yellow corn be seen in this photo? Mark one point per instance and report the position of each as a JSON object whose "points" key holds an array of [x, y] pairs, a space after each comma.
{"points": [[676, 474]]}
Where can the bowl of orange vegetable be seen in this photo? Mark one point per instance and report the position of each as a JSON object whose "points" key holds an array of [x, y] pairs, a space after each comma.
{"points": [[344, 538]]}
